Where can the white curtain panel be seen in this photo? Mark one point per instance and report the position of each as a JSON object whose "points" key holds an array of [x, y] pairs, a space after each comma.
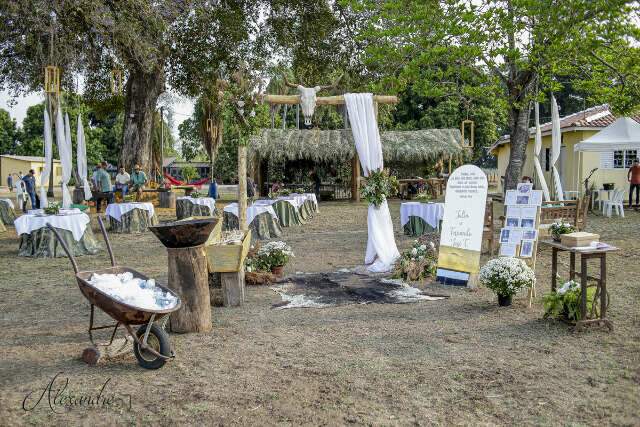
{"points": [[64, 148], [382, 251], [536, 158], [48, 159], [81, 160], [556, 144]]}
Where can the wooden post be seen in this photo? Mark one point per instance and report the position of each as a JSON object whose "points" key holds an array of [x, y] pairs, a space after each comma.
{"points": [[242, 187], [232, 288], [188, 276], [355, 178]]}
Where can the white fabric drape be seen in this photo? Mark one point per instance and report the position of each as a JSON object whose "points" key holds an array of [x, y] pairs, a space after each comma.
{"points": [[382, 251], [66, 161], [556, 144], [81, 149], [536, 156], [48, 159]]}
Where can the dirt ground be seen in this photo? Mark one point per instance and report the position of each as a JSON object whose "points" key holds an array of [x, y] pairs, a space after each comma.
{"points": [[463, 360]]}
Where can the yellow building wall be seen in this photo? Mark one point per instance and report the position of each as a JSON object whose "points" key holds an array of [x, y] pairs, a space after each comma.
{"points": [[14, 166]]}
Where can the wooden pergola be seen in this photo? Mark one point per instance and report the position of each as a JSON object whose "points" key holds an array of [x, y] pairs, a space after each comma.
{"points": [[333, 100]]}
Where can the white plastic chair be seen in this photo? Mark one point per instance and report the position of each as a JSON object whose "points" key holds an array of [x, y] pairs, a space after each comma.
{"points": [[616, 202]]}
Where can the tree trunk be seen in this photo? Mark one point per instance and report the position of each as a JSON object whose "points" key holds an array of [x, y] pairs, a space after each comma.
{"points": [[519, 124], [142, 91]]}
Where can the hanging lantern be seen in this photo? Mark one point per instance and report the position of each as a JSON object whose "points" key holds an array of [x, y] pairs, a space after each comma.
{"points": [[470, 141], [52, 79], [117, 81]]}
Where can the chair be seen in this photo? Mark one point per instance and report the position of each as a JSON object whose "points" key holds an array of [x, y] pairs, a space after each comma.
{"points": [[488, 231], [616, 202]]}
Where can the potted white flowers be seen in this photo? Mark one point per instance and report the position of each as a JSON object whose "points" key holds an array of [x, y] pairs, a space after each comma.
{"points": [[274, 256], [506, 276], [557, 229], [418, 262]]}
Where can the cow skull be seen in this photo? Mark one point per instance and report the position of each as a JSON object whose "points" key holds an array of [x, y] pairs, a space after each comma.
{"points": [[308, 98]]}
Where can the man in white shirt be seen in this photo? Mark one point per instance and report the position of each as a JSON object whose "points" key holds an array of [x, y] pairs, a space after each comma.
{"points": [[122, 182]]}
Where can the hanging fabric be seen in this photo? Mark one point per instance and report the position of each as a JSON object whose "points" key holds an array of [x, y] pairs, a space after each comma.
{"points": [[556, 144], [81, 159], [382, 251], [536, 156], [48, 159], [63, 139]]}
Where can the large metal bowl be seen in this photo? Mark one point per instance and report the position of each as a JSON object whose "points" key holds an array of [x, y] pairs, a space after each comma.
{"points": [[184, 234]]}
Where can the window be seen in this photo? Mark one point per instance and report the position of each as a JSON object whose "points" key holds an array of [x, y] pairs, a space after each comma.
{"points": [[547, 159], [618, 159], [629, 157]]}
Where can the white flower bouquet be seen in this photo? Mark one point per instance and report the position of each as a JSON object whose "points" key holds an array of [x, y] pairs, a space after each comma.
{"points": [[274, 254], [505, 276]]}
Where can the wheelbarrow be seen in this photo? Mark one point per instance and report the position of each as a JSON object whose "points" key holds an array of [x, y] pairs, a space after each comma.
{"points": [[151, 344]]}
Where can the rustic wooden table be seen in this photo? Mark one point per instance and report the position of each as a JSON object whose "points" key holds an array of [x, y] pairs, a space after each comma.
{"points": [[601, 290]]}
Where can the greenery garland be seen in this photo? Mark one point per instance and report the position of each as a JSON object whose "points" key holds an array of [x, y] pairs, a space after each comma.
{"points": [[379, 186]]}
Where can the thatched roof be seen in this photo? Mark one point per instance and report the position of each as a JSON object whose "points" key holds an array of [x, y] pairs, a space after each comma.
{"points": [[337, 145]]}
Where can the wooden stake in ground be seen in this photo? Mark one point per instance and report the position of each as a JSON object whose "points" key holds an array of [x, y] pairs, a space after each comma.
{"points": [[242, 187], [188, 276]]}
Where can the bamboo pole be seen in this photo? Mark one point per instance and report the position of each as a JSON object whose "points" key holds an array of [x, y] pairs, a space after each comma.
{"points": [[242, 187], [355, 178]]}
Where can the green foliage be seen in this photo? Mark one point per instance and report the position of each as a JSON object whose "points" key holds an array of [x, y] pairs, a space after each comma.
{"points": [[8, 133], [273, 254], [565, 302], [418, 262], [378, 187], [52, 209], [557, 229], [189, 173]]}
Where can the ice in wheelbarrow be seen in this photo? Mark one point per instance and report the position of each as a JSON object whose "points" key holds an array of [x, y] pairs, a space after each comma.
{"points": [[140, 293]]}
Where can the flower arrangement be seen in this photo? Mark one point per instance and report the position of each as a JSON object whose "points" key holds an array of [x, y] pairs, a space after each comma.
{"points": [[378, 187], [564, 303], [418, 262], [52, 209], [557, 229], [301, 190], [422, 196], [129, 198], [283, 192], [505, 276], [273, 254], [196, 195]]}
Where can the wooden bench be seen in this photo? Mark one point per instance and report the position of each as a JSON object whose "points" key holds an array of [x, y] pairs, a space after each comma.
{"points": [[572, 211], [488, 232]]}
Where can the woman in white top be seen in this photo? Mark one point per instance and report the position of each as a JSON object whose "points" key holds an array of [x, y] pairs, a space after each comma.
{"points": [[122, 182]]}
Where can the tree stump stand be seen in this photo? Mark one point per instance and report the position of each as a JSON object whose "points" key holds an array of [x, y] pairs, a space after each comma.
{"points": [[233, 288], [167, 199], [188, 276]]}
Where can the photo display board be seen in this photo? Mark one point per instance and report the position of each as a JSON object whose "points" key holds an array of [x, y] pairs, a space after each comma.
{"points": [[519, 236]]}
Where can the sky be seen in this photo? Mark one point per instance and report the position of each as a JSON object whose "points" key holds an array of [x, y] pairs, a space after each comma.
{"points": [[182, 107]]}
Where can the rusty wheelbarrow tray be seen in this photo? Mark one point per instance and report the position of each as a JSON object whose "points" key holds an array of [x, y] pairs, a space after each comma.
{"points": [[152, 347]]}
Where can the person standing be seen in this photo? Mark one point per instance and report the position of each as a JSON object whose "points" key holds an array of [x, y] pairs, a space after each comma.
{"points": [[122, 182], [138, 181], [213, 189], [633, 176], [10, 182], [103, 187], [251, 188], [30, 188]]}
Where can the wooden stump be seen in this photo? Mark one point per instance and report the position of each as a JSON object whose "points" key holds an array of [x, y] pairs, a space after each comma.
{"points": [[233, 288], [167, 199], [188, 276]]}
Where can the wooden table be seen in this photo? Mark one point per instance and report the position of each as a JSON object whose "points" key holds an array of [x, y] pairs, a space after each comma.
{"points": [[601, 291]]}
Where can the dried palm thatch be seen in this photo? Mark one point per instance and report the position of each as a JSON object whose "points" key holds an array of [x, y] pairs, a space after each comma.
{"points": [[416, 146]]}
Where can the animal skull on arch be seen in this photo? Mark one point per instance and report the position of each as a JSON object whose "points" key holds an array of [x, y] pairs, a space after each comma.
{"points": [[308, 98]]}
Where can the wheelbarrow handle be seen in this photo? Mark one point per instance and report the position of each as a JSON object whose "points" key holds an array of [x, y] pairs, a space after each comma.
{"points": [[106, 240], [65, 247]]}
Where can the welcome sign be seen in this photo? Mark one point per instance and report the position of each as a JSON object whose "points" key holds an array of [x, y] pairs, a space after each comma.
{"points": [[462, 225]]}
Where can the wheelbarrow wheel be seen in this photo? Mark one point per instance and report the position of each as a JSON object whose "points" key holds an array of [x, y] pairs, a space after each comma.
{"points": [[157, 340]]}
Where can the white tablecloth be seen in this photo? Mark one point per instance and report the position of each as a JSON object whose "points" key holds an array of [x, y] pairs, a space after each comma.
{"points": [[252, 211], [431, 213], [296, 202], [204, 201], [306, 196], [116, 210], [9, 202], [76, 223]]}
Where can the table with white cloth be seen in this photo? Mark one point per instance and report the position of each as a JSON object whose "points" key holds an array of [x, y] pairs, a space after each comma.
{"points": [[38, 241], [419, 218], [287, 209], [309, 205], [188, 206], [133, 217], [7, 211], [262, 220]]}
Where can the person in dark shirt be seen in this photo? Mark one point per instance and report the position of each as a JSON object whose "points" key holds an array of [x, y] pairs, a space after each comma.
{"points": [[30, 187], [10, 182]]}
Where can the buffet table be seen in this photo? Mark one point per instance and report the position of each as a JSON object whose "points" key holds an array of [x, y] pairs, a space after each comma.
{"points": [[187, 206], [7, 211], [262, 220], [419, 218], [38, 241], [133, 217]]}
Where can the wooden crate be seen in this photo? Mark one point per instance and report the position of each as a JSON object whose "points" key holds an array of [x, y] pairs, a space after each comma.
{"points": [[579, 239], [228, 258]]}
